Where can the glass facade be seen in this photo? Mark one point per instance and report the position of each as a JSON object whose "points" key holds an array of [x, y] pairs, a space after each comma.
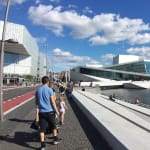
{"points": [[138, 67], [147, 67], [9, 59], [112, 74], [12, 58]]}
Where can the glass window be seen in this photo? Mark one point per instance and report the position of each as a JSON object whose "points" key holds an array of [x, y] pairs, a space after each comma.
{"points": [[114, 75]]}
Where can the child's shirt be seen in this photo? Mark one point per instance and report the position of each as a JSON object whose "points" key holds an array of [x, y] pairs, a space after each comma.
{"points": [[62, 106]]}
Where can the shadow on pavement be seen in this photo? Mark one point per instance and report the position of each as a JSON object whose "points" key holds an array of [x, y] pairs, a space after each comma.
{"points": [[22, 139], [21, 120]]}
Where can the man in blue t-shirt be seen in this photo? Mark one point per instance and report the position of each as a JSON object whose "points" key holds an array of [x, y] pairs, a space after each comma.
{"points": [[46, 104]]}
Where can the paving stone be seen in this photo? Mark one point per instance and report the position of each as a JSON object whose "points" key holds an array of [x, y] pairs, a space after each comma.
{"points": [[77, 132]]}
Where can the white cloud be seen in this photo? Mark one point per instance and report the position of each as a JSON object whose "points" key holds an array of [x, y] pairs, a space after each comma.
{"points": [[87, 10], [107, 56], [55, 1], [141, 39], [98, 40], [115, 29], [140, 51], [107, 59], [38, 1], [14, 1], [18, 1], [41, 39], [72, 6], [101, 29], [68, 60], [59, 53]]}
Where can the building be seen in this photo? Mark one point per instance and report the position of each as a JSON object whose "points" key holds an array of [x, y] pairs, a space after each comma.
{"points": [[135, 71], [119, 59], [21, 53], [141, 66]]}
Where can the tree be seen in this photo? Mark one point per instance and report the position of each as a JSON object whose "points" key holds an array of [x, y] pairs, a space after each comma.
{"points": [[29, 77]]}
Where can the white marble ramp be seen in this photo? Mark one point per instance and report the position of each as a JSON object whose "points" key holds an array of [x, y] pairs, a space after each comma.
{"points": [[122, 128]]}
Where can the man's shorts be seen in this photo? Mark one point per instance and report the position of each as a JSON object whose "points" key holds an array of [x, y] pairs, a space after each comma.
{"points": [[47, 119]]}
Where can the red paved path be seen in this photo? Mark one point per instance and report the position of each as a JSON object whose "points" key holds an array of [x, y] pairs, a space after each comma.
{"points": [[9, 104]]}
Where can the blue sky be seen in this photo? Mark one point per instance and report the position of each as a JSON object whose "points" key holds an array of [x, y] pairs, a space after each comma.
{"points": [[84, 32]]}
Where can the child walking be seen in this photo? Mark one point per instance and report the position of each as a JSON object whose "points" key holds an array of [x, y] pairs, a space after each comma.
{"points": [[63, 107]]}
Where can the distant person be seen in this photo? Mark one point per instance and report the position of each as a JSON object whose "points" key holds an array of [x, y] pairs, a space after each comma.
{"points": [[62, 108], [114, 96], [83, 89], [111, 97], [62, 89], [51, 85], [70, 89], [80, 82], [137, 100], [91, 84], [47, 109]]}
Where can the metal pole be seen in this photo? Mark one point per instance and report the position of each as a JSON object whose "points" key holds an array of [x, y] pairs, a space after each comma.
{"points": [[46, 46], [2, 60], [14, 73], [66, 75]]}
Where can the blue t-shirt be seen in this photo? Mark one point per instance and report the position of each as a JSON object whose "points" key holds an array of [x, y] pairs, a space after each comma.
{"points": [[43, 95]]}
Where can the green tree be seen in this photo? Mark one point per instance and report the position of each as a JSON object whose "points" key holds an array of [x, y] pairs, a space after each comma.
{"points": [[29, 77]]}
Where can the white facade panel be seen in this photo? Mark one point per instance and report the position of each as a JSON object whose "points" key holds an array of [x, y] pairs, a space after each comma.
{"points": [[13, 31], [21, 64], [120, 59]]}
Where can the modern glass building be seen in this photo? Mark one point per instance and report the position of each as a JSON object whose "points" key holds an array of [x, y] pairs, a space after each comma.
{"points": [[142, 66], [136, 71], [120, 59], [21, 53]]}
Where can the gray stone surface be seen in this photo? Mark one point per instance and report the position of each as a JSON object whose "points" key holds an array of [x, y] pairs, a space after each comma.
{"points": [[77, 132], [114, 121]]}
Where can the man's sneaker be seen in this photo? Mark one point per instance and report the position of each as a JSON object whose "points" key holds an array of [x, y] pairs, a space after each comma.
{"points": [[57, 141], [42, 148], [58, 126], [43, 145]]}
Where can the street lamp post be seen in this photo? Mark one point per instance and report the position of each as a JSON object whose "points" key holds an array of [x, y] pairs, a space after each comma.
{"points": [[46, 46], [2, 60]]}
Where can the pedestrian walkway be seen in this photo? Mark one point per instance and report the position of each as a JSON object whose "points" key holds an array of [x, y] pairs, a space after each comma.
{"points": [[77, 132]]}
